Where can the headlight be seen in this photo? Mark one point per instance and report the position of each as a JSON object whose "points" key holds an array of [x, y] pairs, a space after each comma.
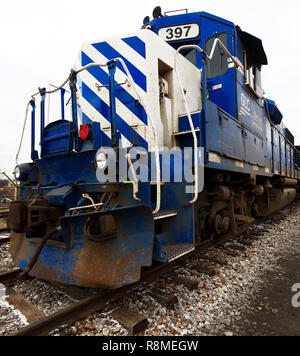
{"points": [[22, 172], [101, 160]]}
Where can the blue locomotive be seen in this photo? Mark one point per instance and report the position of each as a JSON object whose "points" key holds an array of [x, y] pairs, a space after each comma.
{"points": [[105, 195]]}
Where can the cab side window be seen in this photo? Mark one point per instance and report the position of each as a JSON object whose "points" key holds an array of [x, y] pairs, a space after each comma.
{"points": [[218, 65], [253, 78]]}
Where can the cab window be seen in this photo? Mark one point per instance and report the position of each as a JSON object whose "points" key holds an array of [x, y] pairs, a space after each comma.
{"points": [[191, 55], [252, 76], [218, 65]]}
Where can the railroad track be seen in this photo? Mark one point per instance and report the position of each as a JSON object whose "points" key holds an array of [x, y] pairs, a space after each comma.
{"points": [[6, 276], [98, 302], [132, 322]]}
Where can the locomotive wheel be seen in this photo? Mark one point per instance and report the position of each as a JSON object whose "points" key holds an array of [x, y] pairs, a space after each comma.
{"points": [[218, 226]]}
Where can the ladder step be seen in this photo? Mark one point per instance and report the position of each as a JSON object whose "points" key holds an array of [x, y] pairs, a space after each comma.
{"points": [[176, 251], [165, 214]]}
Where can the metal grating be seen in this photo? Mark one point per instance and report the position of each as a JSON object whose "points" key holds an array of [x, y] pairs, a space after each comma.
{"points": [[165, 214], [176, 251]]}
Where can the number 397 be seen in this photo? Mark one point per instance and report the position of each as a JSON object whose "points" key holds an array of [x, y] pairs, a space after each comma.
{"points": [[178, 32]]}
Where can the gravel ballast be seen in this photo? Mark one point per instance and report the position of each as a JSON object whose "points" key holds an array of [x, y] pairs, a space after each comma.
{"points": [[220, 306]]}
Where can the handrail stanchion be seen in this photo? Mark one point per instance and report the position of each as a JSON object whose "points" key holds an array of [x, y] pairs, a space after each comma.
{"points": [[73, 81], [34, 153], [62, 99], [112, 103], [43, 97]]}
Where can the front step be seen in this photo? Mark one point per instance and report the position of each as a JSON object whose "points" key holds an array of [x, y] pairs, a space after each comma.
{"points": [[174, 252], [165, 214], [164, 251]]}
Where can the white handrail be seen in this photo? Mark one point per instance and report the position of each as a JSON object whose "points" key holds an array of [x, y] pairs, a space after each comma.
{"points": [[154, 131], [210, 56], [22, 135], [190, 118], [135, 181], [217, 40], [89, 66]]}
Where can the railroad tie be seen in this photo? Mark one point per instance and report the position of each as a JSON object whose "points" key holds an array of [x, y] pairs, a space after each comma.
{"points": [[246, 242], [216, 259], [133, 322], [31, 312], [237, 247], [187, 282], [165, 299], [231, 253], [251, 238], [204, 268]]}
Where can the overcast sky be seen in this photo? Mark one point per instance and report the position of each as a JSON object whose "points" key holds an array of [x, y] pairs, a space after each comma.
{"points": [[40, 41]]}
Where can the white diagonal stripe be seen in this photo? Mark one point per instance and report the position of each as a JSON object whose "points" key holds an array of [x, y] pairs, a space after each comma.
{"points": [[120, 76], [130, 54], [128, 116]]}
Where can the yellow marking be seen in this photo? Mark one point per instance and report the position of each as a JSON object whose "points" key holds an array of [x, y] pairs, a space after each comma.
{"points": [[214, 157], [239, 164], [276, 172], [255, 168], [267, 170]]}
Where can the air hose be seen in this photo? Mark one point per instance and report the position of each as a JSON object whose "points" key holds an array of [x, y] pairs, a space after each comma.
{"points": [[38, 252]]}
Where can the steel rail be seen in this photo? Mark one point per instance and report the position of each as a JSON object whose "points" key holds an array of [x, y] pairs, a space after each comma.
{"points": [[6, 276], [97, 302], [94, 303]]}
